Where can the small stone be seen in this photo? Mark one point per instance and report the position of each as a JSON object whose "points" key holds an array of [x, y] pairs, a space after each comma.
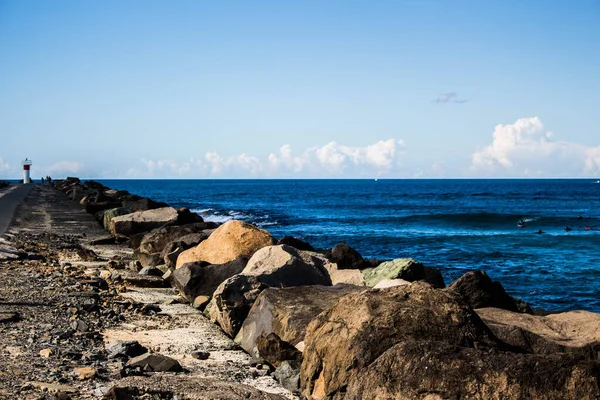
{"points": [[79, 325], [9, 317], [155, 362], [201, 355], [45, 353], [151, 271], [84, 373], [125, 349]]}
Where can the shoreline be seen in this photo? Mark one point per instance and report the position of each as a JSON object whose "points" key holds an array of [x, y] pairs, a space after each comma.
{"points": [[262, 279]]}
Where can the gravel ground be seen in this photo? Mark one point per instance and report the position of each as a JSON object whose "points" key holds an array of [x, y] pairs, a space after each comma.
{"points": [[57, 313]]}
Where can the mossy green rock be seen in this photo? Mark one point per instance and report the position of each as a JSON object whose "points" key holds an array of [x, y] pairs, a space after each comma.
{"points": [[112, 213], [400, 268]]}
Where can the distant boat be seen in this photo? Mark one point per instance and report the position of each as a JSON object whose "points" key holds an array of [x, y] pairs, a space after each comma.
{"points": [[375, 179]]}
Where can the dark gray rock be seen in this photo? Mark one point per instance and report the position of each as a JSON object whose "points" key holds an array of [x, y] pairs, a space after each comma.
{"points": [[124, 349], [479, 291], [200, 278], [294, 242], [155, 362]]}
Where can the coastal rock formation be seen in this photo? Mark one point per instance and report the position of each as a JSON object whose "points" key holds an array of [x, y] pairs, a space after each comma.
{"points": [[287, 312], [202, 279], [152, 243], [142, 221], [478, 289], [374, 321], [137, 203], [173, 249], [295, 242], [282, 265], [231, 240], [413, 341], [232, 301], [403, 268], [420, 369], [347, 258], [573, 331], [108, 215], [274, 266], [348, 276]]}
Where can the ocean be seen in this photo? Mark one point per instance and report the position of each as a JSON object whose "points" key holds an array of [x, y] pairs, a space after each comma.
{"points": [[454, 225]]}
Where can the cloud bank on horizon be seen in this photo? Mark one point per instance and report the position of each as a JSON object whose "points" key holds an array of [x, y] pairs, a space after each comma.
{"points": [[525, 149], [521, 149]]}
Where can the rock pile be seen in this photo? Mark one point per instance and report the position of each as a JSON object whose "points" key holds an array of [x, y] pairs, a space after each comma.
{"points": [[338, 326]]}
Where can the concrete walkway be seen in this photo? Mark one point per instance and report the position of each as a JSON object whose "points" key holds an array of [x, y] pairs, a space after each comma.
{"points": [[8, 204]]}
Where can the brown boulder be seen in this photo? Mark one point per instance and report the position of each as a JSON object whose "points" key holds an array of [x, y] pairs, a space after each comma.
{"points": [[232, 301], [478, 289], [287, 312], [195, 279], [342, 341], [142, 221], [419, 369], [274, 266], [152, 243], [284, 266], [231, 240], [573, 331]]}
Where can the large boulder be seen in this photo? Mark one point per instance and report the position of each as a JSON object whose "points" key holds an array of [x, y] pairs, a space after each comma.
{"points": [[414, 341], [478, 289], [202, 279], [274, 266], [343, 340], [423, 369], [347, 258], [173, 249], [142, 221], [108, 215], [347, 276], [152, 243], [284, 266], [231, 240], [287, 312], [402, 268], [295, 242], [232, 301], [137, 203], [573, 331]]}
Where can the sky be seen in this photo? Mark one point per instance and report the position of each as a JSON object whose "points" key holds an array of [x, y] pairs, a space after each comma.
{"points": [[308, 89]]}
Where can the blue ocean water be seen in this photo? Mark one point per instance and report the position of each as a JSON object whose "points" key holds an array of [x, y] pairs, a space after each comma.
{"points": [[454, 225]]}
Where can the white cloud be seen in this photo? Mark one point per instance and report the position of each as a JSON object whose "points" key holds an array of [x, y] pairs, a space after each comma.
{"points": [[65, 167], [524, 149], [331, 159], [451, 97]]}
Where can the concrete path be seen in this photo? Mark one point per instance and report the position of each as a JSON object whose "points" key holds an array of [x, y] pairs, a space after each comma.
{"points": [[8, 204]]}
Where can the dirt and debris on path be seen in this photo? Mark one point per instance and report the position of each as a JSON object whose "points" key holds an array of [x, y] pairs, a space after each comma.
{"points": [[62, 307]]}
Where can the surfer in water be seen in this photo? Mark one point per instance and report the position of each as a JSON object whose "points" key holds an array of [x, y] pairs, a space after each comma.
{"points": [[539, 232], [521, 223], [567, 229]]}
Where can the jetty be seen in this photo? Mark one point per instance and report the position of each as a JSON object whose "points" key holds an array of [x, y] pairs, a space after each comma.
{"points": [[105, 294]]}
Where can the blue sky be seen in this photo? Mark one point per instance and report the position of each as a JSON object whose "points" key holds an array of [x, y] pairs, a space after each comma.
{"points": [[141, 89]]}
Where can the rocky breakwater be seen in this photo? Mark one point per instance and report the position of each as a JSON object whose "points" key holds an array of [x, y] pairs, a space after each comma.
{"points": [[333, 325]]}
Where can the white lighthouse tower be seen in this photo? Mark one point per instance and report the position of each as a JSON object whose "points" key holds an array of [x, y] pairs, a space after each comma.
{"points": [[26, 166]]}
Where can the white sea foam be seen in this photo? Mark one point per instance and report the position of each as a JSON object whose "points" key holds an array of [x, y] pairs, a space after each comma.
{"points": [[212, 215]]}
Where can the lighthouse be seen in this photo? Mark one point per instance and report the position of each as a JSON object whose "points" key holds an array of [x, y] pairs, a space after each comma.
{"points": [[26, 167]]}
